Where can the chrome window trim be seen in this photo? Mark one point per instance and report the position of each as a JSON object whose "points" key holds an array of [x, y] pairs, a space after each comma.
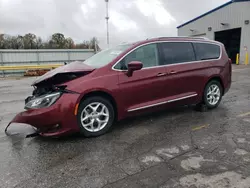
{"points": [[158, 42], [161, 103]]}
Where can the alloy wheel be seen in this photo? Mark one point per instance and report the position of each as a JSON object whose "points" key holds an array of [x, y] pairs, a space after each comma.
{"points": [[213, 94], [95, 117]]}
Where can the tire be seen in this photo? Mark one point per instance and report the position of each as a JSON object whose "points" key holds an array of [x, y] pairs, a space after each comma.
{"points": [[87, 111], [213, 100]]}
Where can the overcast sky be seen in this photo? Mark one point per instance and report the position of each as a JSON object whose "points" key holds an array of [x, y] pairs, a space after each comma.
{"points": [[82, 19]]}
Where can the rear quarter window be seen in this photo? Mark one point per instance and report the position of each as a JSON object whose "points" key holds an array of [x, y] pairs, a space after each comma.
{"points": [[205, 51]]}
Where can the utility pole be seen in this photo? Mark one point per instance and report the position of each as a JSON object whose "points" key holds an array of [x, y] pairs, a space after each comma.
{"points": [[95, 47], [107, 20]]}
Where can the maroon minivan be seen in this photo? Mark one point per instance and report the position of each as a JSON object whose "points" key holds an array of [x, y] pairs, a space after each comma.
{"points": [[127, 80]]}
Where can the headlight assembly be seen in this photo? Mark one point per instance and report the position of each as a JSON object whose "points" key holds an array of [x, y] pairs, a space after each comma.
{"points": [[43, 101]]}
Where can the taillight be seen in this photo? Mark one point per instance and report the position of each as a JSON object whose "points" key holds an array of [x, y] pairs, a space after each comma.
{"points": [[230, 61]]}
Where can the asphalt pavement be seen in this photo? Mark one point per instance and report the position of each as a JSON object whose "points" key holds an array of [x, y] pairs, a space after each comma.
{"points": [[173, 148]]}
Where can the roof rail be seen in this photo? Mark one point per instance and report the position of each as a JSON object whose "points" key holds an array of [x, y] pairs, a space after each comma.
{"points": [[190, 37]]}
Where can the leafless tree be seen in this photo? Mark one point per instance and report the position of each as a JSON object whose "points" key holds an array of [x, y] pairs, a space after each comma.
{"points": [[56, 41]]}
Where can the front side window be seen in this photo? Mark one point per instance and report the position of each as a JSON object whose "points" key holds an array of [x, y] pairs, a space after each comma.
{"points": [[205, 51], [147, 54], [176, 52]]}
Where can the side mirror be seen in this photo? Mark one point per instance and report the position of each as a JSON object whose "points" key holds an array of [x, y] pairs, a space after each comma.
{"points": [[134, 66]]}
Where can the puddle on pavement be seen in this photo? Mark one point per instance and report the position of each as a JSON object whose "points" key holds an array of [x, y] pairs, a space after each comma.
{"points": [[226, 179], [194, 162]]}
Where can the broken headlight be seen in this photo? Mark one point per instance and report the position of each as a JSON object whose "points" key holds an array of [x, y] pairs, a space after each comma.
{"points": [[43, 101]]}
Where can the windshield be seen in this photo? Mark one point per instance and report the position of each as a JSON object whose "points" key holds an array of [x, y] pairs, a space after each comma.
{"points": [[106, 56]]}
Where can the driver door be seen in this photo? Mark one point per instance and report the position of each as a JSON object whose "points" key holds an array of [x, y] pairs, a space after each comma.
{"points": [[145, 87]]}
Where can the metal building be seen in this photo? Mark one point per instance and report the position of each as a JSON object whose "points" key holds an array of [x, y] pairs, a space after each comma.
{"points": [[228, 23]]}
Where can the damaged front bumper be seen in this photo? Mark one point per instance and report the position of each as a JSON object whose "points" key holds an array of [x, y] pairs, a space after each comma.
{"points": [[56, 120]]}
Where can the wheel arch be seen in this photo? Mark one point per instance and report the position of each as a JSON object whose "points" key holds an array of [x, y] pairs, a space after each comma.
{"points": [[104, 94], [217, 78]]}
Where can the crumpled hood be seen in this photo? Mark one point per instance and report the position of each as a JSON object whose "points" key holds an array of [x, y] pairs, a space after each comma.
{"points": [[74, 69]]}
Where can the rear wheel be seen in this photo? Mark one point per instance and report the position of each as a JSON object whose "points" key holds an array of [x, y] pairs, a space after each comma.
{"points": [[212, 94], [95, 116]]}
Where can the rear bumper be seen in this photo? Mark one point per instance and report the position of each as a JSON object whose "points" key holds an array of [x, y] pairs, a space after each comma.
{"points": [[56, 120], [227, 86]]}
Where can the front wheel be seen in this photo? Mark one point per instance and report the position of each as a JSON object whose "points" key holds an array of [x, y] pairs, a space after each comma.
{"points": [[95, 116], [212, 94]]}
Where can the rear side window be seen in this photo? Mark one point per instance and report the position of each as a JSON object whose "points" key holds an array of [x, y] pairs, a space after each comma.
{"points": [[176, 52], [206, 51]]}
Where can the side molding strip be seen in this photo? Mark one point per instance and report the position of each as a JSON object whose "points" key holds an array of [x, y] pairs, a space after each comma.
{"points": [[161, 103]]}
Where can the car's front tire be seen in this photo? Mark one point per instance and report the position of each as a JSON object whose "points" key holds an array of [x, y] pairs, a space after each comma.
{"points": [[95, 116], [212, 94]]}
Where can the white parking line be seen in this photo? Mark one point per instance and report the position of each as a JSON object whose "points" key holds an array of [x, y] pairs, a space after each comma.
{"points": [[244, 114]]}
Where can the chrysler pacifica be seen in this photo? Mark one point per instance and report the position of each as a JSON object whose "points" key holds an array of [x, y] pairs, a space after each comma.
{"points": [[127, 80]]}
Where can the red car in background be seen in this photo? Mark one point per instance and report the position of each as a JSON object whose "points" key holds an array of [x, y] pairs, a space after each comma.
{"points": [[127, 80]]}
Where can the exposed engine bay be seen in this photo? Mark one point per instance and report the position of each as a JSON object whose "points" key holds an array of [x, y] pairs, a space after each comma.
{"points": [[49, 85], [48, 90]]}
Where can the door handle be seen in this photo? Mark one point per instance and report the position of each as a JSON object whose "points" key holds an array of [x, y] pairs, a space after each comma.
{"points": [[172, 72], [161, 74]]}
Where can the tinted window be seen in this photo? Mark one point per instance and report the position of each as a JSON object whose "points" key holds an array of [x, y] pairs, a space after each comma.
{"points": [[148, 55], [206, 51], [176, 52]]}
